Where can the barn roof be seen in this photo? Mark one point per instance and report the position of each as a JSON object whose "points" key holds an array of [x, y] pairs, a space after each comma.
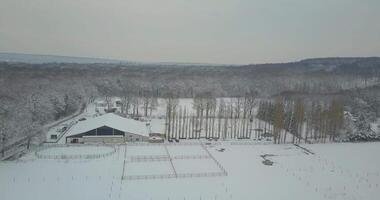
{"points": [[113, 121]]}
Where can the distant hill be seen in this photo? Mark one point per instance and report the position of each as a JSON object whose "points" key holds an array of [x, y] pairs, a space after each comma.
{"points": [[306, 65], [39, 59], [44, 59], [338, 60]]}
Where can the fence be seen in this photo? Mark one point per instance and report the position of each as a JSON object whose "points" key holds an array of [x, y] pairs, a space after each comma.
{"points": [[166, 158], [174, 174], [252, 143], [173, 144], [224, 171], [124, 162], [68, 156], [183, 157], [206, 174], [167, 176], [148, 158]]}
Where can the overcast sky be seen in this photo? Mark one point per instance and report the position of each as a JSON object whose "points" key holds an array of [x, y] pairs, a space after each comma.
{"points": [[201, 31]]}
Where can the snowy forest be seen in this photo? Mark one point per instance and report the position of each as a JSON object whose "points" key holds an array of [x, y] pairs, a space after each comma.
{"points": [[322, 98]]}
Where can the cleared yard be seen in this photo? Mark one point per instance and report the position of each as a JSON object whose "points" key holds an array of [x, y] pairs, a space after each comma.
{"points": [[190, 150], [148, 168], [146, 150], [195, 166]]}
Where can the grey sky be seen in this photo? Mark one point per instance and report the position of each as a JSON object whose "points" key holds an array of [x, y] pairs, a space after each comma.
{"points": [[207, 31]]}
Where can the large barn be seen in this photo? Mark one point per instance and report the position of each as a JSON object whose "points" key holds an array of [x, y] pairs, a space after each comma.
{"points": [[108, 128]]}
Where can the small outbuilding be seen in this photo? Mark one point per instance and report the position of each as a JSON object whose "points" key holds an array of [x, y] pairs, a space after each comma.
{"points": [[108, 128]]}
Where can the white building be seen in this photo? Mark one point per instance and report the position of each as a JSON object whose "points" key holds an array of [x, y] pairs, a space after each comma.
{"points": [[108, 128]]}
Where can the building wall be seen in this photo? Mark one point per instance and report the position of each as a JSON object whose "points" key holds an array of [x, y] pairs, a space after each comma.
{"points": [[130, 137], [103, 139], [71, 140], [161, 135], [104, 130], [157, 140]]}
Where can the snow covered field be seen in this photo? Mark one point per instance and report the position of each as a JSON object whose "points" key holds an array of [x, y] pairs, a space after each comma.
{"points": [[148, 168], [160, 161], [176, 150], [334, 171], [151, 150]]}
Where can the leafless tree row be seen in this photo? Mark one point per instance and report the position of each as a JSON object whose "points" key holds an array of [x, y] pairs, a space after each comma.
{"points": [[211, 119], [283, 120]]}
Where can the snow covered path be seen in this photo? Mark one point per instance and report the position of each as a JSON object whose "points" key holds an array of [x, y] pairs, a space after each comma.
{"points": [[336, 171]]}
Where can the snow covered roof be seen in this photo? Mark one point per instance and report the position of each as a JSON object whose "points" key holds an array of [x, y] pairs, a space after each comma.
{"points": [[113, 121], [157, 126]]}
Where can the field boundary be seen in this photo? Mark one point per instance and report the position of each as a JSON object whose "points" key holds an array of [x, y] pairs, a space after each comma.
{"points": [[251, 142], [167, 176], [171, 161], [224, 171], [173, 144], [70, 156], [169, 158]]}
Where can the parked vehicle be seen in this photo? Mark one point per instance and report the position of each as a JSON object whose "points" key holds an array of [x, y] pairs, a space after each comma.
{"points": [[82, 119]]}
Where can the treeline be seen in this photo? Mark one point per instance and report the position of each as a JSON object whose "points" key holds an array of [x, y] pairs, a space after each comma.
{"points": [[364, 105], [212, 118], [32, 95], [286, 121], [27, 104], [222, 81], [361, 105], [317, 121]]}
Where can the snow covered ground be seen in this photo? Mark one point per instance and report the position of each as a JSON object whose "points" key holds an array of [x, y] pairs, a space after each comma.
{"points": [[334, 171], [148, 168], [176, 150], [150, 150]]}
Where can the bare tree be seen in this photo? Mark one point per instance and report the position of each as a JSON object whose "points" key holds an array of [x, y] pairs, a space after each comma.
{"points": [[136, 101], [3, 136], [299, 117], [171, 105], [146, 100], [153, 104], [278, 121]]}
